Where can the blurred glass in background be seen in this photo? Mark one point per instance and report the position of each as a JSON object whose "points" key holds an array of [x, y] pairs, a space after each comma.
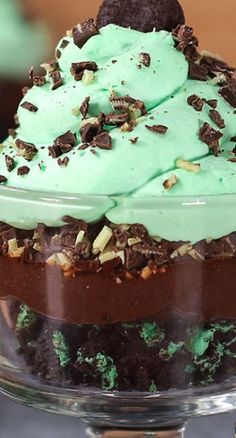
{"points": [[24, 41]]}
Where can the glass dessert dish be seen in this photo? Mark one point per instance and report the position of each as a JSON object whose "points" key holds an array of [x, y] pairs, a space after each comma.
{"points": [[118, 230]]}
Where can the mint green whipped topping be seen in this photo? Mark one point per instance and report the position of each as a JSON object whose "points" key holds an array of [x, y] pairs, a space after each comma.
{"points": [[22, 43], [26, 318], [129, 172], [61, 348]]}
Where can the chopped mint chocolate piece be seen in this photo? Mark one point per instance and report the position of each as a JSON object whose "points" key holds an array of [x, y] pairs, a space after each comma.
{"points": [[83, 32], [25, 318], [151, 333], [171, 350], [106, 367], [61, 348]]}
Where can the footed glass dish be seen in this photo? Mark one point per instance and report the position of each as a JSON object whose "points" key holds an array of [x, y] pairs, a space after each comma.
{"points": [[103, 320]]}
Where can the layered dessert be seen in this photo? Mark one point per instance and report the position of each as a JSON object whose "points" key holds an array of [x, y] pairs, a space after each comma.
{"points": [[23, 42], [118, 271]]}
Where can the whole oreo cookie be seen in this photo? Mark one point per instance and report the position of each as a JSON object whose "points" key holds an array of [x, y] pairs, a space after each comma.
{"points": [[142, 15]]}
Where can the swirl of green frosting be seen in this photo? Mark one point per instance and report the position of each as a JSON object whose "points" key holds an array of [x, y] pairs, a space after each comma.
{"points": [[131, 170]]}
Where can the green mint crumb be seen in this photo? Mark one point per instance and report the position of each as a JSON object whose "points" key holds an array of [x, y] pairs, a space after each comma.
{"points": [[200, 340], [151, 333], [26, 318], [153, 387], [168, 353], [108, 371], [61, 348]]}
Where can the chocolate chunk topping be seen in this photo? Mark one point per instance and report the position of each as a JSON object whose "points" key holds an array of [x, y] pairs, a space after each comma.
{"points": [[84, 108], [83, 31], [55, 151], [89, 131], [24, 170], [78, 68], [145, 16], [102, 141], [196, 102], [67, 138], [186, 42], [134, 140], [126, 102], [39, 81], [26, 150], [216, 117], [158, 129], [216, 66], [116, 119], [10, 163], [29, 106], [197, 71], [233, 138], [232, 160], [228, 92], [211, 137], [58, 54], [64, 44], [63, 162], [145, 59], [3, 179], [56, 79], [212, 102]]}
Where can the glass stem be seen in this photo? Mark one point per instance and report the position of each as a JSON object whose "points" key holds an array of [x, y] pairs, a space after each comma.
{"points": [[171, 432]]}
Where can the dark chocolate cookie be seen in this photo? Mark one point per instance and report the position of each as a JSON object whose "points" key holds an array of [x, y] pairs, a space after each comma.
{"points": [[142, 15]]}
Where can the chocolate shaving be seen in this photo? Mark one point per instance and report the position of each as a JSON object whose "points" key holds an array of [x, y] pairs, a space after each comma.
{"points": [[3, 179], [56, 79], [228, 92], [63, 162], [114, 119], [26, 150], [89, 131], [78, 68], [157, 129], [29, 106], [102, 141], [197, 71], [216, 117], [10, 163], [211, 137], [84, 108], [24, 170], [145, 59], [83, 31], [196, 102]]}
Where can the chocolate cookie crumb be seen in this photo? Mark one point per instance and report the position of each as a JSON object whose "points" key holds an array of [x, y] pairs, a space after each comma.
{"points": [[145, 59], [10, 163], [157, 129], [85, 107], [216, 117], [83, 32], [102, 141], [196, 102], [29, 106], [3, 179], [24, 170]]}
